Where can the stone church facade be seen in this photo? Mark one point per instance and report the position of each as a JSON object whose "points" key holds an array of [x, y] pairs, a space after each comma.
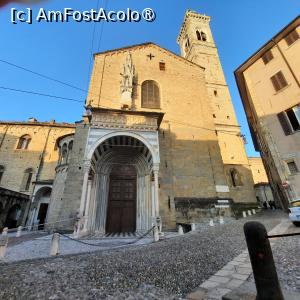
{"points": [[159, 142]]}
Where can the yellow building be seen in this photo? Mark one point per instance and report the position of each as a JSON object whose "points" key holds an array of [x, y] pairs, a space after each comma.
{"points": [[269, 84], [258, 170], [262, 187], [28, 158]]}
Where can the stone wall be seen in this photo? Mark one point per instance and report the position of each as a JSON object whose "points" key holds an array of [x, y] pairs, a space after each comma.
{"points": [[9, 200], [43, 144]]}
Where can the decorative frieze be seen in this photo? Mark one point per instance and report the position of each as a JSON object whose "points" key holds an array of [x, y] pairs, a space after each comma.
{"points": [[124, 121]]}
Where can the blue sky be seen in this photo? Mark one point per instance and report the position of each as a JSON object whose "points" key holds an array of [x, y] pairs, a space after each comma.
{"points": [[63, 50]]}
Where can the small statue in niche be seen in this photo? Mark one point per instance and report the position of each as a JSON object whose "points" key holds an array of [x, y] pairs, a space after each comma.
{"points": [[127, 81]]}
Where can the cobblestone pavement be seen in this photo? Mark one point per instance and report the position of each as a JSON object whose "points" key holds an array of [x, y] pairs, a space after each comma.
{"points": [[238, 272], [286, 252], [169, 269]]}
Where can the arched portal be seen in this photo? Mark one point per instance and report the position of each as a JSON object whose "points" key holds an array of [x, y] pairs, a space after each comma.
{"points": [[120, 191]]}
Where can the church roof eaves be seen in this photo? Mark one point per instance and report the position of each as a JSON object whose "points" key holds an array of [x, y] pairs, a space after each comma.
{"points": [[149, 44], [67, 125]]}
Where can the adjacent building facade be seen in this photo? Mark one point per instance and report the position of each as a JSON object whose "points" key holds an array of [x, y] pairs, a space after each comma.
{"points": [[269, 84], [262, 186], [159, 142], [28, 157]]}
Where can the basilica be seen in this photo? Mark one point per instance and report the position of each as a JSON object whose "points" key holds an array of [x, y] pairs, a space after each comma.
{"points": [[159, 144]]}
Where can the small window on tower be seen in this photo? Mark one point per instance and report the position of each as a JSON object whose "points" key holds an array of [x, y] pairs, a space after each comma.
{"points": [[203, 36], [214, 115], [215, 92], [162, 66]]}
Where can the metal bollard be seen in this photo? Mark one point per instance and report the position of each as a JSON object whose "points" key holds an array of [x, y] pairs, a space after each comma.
{"points": [[253, 211], [156, 234], [263, 266], [211, 222], [193, 227], [5, 231], [249, 213], [244, 214], [221, 220], [19, 231], [54, 250], [180, 230], [3, 245]]}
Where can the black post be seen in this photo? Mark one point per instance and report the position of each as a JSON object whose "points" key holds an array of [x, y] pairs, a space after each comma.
{"points": [[264, 270]]}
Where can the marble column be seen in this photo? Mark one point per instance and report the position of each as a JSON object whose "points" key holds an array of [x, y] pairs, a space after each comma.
{"points": [[84, 189], [101, 205], [156, 198]]}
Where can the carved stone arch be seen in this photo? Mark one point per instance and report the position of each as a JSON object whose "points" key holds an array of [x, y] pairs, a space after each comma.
{"points": [[154, 153]]}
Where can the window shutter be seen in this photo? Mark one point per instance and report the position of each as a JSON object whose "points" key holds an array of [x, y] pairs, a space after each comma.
{"points": [[281, 79], [288, 40], [284, 123], [275, 83], [267, 57], [278, 81], [292, 37]]}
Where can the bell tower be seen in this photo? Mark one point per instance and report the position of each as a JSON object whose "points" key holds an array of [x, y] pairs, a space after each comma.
{"points": [[198, 46]]}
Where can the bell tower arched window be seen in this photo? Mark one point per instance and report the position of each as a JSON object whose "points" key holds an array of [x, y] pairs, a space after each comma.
{"points": [[150, 94], [201, 36]]}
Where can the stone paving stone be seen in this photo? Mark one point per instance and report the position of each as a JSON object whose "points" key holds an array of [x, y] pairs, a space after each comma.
{"points": [[220, 279], [225, 272], [235, 263], [239, 259], [244, 271], [240, 276], [234, 283], [228, 267], [218, 293], [209, 284], [247, 265], [197, 295]]}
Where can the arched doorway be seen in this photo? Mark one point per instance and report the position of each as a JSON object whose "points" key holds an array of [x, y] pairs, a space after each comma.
{"points": [[120, 195], [121, 210], [13, 216]]}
